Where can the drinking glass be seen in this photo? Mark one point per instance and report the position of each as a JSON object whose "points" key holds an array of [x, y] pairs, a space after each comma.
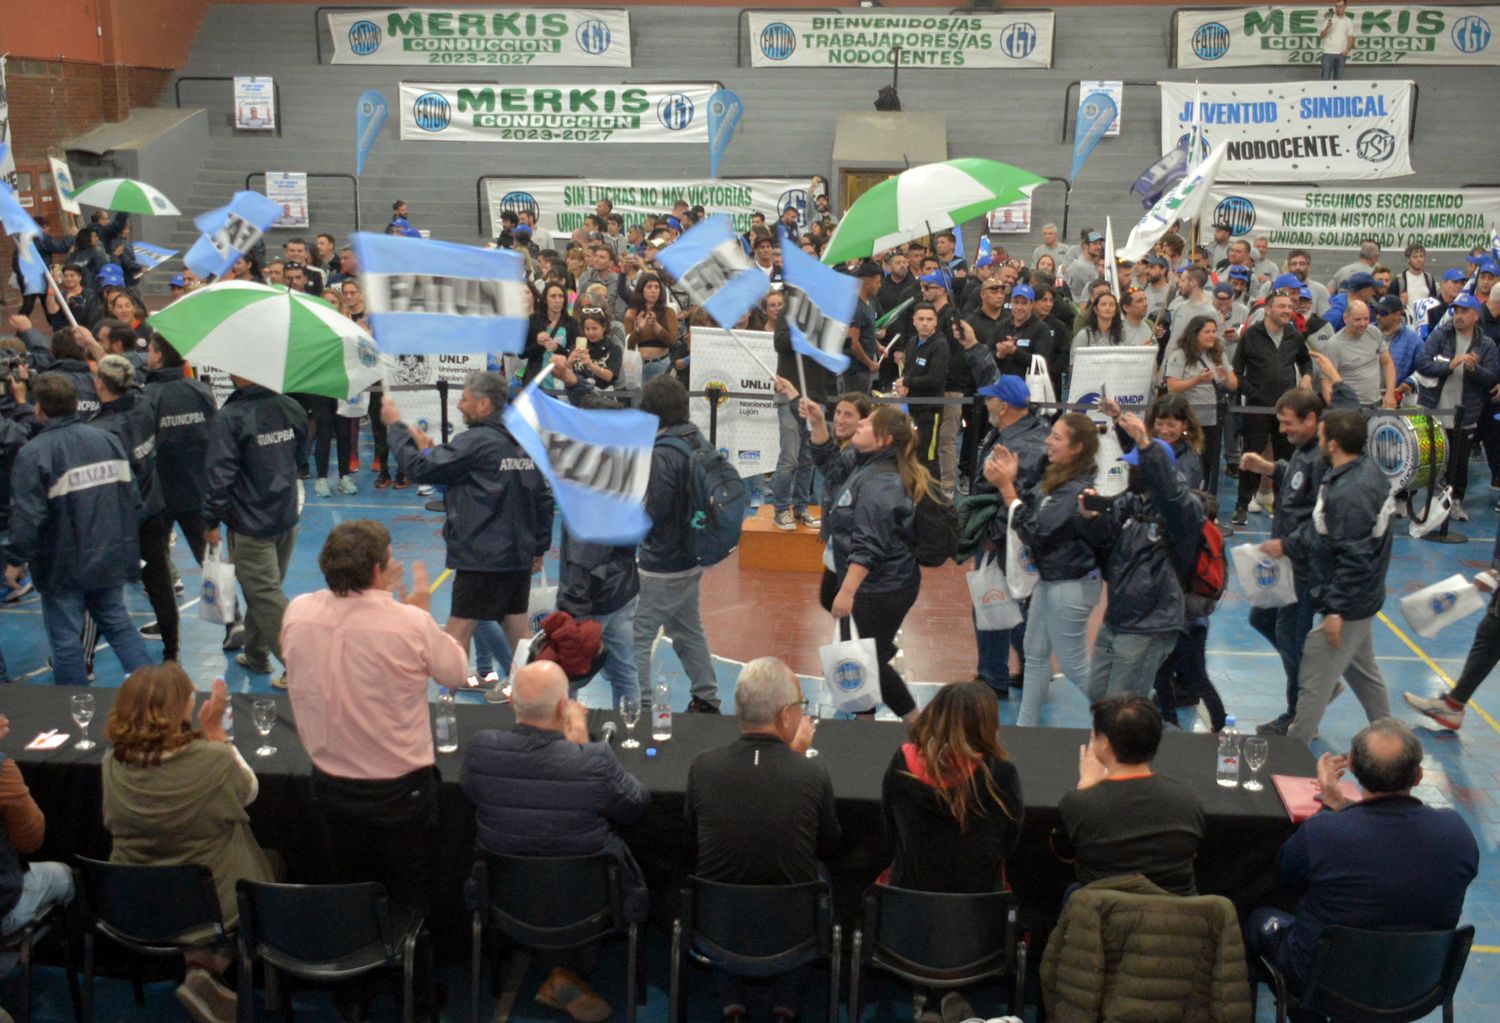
{"points": [[265, 720], [816, 712], [1256, 750], [82, 706], [630, 713]]}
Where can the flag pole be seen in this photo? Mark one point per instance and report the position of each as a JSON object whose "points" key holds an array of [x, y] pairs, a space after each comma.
{"points": [[741, 342], [52, 285], [801, 376]]}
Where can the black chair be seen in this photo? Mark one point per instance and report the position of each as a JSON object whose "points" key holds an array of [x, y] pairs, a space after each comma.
{"points": [[324, 934], [755, 931], [22, 942], [937, 940], [550, 904], [1376, 976], [150, 911]]}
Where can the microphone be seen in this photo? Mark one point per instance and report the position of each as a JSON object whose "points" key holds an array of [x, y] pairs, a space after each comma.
{"points": [[607, 732]]}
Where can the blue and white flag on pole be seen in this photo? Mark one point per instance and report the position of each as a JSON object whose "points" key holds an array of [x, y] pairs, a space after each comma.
{"points": [[151, 256], [229, 232], [369, 117], [1096, 112], [19, 225], [597, 460], [724, 112], [819, 305], [714, 270], [432, 298], [985, 256]]}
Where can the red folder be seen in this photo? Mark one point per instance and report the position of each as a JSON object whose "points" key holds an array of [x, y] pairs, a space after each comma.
{"points": [[1300, 795]]}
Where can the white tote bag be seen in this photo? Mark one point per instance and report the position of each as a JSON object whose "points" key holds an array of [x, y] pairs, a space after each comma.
{"points": [[1021, 575], [631, 368], [851, 670], [994, 610], [1039, 381], [1266, 581], [218, 600], [541, 603], [1433, 608]]}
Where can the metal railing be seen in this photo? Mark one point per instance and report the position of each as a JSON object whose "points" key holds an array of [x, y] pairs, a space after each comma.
{"points": [[353, 181]]}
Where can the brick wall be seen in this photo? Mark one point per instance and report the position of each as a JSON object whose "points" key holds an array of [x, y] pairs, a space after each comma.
{"points": [[53, 100]]}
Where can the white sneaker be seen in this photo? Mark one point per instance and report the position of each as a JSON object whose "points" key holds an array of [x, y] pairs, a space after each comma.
{"points": [[1438, 708], [1458, 514], [425, 490]]}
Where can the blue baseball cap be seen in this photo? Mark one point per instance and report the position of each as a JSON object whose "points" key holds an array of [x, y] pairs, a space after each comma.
{"points": [[1467, 301], [1095, 236], [938, 278], [1286, 281], [110, 273], [1489, 266], [1157, 261], [1240, 272], [1010, 389], [1475, 257], [1389, 305], [1224, 290], [1133, 456], [1023, 291], [521, 229], [1454, 275], [1305, 292], [177, 281], [1360, 281]]}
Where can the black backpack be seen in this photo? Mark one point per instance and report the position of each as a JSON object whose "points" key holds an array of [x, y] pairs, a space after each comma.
{"points": [[937, 531], [717, 500]]}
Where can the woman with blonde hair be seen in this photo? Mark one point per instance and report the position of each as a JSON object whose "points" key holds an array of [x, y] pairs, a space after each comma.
{"points": [[175, 795], [872, 537]]}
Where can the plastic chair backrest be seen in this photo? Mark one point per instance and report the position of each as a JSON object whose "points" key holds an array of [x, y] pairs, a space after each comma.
{"points": [[1385, 975], [759, 921], [939, 932], [153, 906], [315, 924], [553, 902]]}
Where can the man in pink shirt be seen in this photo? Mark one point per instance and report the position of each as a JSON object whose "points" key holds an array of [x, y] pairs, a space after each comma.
{"points": [[357, 665]]}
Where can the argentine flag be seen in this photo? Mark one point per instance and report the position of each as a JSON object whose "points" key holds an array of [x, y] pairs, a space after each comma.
{"points": [[432, 298], [597, 460], [819, 305], [710, 264], [229, 232], [19, 225]]}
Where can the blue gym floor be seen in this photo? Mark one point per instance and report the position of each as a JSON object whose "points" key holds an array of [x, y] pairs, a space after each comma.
{"points": [[1462, 770]]}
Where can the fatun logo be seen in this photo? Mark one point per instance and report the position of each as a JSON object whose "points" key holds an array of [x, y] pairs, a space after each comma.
{"points": [[432, 112], [364, 38], [1211, 41], [778, 41]]}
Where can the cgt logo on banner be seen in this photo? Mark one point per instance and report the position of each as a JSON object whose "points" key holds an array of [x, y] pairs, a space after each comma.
{"points": [[1383, 34], [550, 37], [1021, 39], [1302, 131], [476, 112], [1438, 219]]}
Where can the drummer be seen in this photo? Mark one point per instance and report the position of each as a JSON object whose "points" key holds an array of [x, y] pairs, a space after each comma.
{"points": [[1297, 480]]}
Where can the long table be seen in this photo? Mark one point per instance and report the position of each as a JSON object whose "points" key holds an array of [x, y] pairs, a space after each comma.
{"points": [[1236, 859]]}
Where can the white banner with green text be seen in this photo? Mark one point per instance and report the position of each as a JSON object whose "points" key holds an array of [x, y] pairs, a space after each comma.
{"points": [[482, 36], [1438, 219], [561, 204], [922, 38], [480, 112]]}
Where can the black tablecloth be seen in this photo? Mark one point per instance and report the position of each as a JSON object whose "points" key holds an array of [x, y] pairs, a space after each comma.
{"points": [[1236, 859]]}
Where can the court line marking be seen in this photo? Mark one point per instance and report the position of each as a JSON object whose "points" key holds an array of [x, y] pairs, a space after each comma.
{"points": [[1437, 670], [45, 668], [1486, 949], [439, 581]]}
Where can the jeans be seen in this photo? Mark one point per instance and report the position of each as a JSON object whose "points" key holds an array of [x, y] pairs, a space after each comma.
{"points": [[1333, 66], [1286, 629], [63, 612], [671, 601], [42, 885], [1258, 429], [651, 369], [1058, 623], [1323, 663], [619, 645], [791, 486], [1188, 658], [1125, 663], [491, 651], [260, 565], [1484, 654], [950, 419]]}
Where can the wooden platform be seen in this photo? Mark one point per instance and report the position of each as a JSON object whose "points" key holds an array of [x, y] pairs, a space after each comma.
{"points": [[763, 546]]}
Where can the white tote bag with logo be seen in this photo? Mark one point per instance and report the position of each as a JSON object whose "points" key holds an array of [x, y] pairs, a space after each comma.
{"points": [[1433, 608], [1039, 380], [1266, 581], [1021, 574], [851, 670], [994, 609], [541, 603], [218, 601]]}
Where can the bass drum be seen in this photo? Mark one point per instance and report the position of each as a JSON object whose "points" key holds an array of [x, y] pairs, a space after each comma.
{"points": [[1412, 451]]}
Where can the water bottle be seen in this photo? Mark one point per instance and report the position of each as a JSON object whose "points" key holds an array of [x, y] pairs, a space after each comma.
{"points": [[1229, 755], [447, 723], [228, 721], [661, 711]]}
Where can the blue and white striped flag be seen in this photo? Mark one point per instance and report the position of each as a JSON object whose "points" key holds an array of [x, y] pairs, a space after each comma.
{"points": [[985, 255], [229, 232], [432, 298], [819, 305], [710, 264], [597, 460], [19, 225], [151, 256]]}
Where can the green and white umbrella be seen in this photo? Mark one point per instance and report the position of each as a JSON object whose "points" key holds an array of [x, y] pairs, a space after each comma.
{"points": [[123, 195], [284, 340], [933, 197]]}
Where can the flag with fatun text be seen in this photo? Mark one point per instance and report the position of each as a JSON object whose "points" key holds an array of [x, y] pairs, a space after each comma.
{"points": [[431, 298], [229, 232], [598, 462], [819, 305], [710, 264]]}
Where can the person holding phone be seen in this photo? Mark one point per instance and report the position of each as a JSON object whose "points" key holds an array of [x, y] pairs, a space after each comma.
{"points": [[1337, 35]]}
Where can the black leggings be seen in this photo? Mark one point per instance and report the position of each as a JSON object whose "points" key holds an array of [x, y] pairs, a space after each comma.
{"points": [[378, 433], [330, 429], [878, 616], [1187, 659], [155, 534], [1257, 429]]}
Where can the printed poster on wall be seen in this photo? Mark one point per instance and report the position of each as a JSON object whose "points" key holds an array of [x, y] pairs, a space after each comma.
{"points": [[288, 189], [872, 38], [1115, 91], [477, 36], [1383, 35], [1013, 218], [748, 431], [1298, 131], [1438, 219], [254, 104], [561, 204], [477, 112]]}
